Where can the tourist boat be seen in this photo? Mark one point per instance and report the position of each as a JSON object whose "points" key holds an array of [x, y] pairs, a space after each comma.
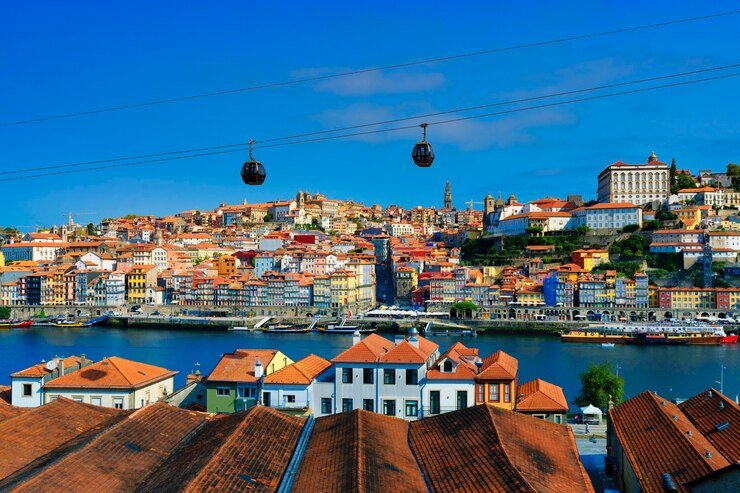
{"points": [[285, 329], [647, 334], [80, 323], [345, 329], [15, 324]]}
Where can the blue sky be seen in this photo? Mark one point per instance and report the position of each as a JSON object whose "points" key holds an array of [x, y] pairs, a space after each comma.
{"points": [[59, 58]]}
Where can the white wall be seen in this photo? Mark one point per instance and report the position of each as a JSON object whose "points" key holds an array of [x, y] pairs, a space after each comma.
{"points": [[131, 399], [448, 394], [16, 392]]}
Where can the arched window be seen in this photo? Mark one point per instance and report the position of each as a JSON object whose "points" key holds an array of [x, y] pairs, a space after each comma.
{"points": [[447, 366]]}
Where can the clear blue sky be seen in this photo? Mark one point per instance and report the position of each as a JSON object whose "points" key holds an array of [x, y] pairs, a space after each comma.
{"points": [[58, 58]]}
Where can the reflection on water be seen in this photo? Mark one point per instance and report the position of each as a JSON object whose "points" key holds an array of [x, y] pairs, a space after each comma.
{"points": [[672, 371]]}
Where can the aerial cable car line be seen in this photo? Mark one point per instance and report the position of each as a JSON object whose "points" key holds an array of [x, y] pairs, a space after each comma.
{"points": [[383, 130], [351, 73], [263, 142]]}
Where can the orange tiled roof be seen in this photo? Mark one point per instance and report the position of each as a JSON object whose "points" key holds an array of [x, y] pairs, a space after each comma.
{"points": [[368, 350], [303, 371], [499, 366], [359, 451], [709, 409], [462, 356], [239, 365], [40, 430], [539, 395], [485, 448], [122, 456], [39, 370], [658, 438], [112, 372]]}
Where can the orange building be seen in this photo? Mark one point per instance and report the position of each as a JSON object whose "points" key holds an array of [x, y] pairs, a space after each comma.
{"points": [[496, 382]]}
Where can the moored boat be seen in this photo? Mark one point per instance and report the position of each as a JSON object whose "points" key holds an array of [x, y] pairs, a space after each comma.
{"points": [[729, 339], [647, 334], [285, 329], [15, 324]]}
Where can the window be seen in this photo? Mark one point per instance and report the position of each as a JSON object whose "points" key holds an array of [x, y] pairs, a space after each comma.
{"points": [[346, 405], [389, 377], [96, 401], [223, 391], [412, 377], [480, 392], [367, 375], [434, 401], [412, 408], [346, 375], [27, 390], [389, 407], [507, 392], [326, 405], [78, 398], [368, 405], [493, 392], [118, 402], [558, 419], [447, 366], [290, 398]]}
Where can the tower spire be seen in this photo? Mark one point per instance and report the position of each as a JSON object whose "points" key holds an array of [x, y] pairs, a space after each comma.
{"points": [[448, 195]]}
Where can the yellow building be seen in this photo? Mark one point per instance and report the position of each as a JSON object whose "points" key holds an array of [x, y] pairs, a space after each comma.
{"points": [[2, 260], [689, 216], [588, 259], [139, 278], [225, 265], [343, 285], [530, 298]]}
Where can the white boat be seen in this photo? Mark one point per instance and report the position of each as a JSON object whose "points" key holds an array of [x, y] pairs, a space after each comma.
{"points": [[237, 328], [607, 344]]}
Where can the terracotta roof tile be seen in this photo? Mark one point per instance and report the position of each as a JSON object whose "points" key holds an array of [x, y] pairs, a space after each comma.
{"points": [[499, 366], [39, 370], [239, 365], [368, 350], [112, 372], [121, 457], [539, 395], [485, 448], [39, 431], [359, 451], [658, 438], [462, 357], [247, 451], [710, 409], [303, 371]]}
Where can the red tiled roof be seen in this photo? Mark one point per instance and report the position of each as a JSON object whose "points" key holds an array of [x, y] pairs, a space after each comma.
{"points": [[38, 431], [485, 448], [39, 370], [539, 395], [368, 350], [359, 451], [113, 372], [122, 456], [710, 409], [499, 366], [462, 356], [657, 438], [303, 371], [239, 365]]}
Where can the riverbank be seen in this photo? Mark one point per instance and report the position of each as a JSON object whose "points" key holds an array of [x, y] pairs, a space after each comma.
{"points": [[524, 327]]}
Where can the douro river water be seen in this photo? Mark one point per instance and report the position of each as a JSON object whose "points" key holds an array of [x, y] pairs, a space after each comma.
{"points": [[672, 371]]}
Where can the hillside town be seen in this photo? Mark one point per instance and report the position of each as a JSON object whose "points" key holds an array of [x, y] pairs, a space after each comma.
{"points": [[657, 241]]}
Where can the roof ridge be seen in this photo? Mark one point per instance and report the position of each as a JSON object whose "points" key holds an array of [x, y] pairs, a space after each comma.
{"points": [[108, 358], [507, 459], [360, 453]]}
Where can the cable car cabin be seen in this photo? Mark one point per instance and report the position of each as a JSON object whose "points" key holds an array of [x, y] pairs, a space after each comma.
{"points": [[423, 155], [253, 173]]}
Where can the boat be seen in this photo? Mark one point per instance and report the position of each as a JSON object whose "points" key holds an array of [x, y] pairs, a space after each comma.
{"points": [[729, 339], [285, 329], [346, 329], [80, 323], [607, 344], [15, 324], [657, 333], [241, 329]]}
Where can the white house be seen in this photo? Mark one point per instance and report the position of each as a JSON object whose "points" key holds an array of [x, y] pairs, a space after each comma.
{"points": [[306, 385], [378, 375], [450, 383], [26, 386], [35, 251], [113, 382], [101, 261], [607, 216]]}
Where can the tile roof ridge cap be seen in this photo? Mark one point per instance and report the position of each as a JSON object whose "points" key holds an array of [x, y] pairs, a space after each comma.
{"points": [[359, 453], [515, 470]]}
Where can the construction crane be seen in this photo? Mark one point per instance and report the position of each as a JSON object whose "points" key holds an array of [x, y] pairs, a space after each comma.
{"points": [[470, 204], [70, 221]]}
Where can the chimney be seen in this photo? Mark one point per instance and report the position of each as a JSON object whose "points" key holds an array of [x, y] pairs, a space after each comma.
{"points": [[414, 341], [356, 337], [61, 367], [258, 371]]}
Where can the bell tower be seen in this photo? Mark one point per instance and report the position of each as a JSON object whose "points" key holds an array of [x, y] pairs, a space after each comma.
{"points": [[448, 195], [489, 205]]}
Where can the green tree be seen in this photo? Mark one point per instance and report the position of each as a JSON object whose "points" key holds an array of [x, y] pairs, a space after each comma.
{"points": [[268, 217], [650, 225], [130, 216], [90, 229], [672, 174], [597, 384], [583, 230], [533, 230], [733, 170], [631, 228], [463, 309], [682, 181], [4, 312]]}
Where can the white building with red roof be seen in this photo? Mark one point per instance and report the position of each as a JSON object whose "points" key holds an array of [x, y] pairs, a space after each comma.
{"points": [[638, 184]]}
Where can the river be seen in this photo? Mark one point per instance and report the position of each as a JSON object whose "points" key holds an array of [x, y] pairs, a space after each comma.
{"points": [[672, 371]]}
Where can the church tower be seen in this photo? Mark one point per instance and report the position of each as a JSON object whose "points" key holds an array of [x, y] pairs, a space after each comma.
{"points": [[489, 205], [448, 196]]}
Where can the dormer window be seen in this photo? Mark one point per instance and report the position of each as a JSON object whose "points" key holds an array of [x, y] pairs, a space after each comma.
{"points": [[447, 366]]}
